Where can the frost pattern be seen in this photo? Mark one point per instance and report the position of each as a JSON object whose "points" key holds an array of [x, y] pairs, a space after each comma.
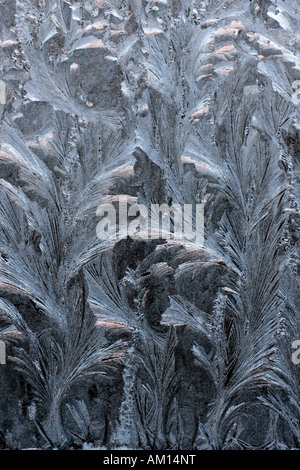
{"points": [[156, 344]]}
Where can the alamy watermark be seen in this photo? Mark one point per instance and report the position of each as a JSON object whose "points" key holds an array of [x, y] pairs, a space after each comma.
{"points": [[181, 222], [296, 353], [296, 93], [2, 92], [2, 353]]}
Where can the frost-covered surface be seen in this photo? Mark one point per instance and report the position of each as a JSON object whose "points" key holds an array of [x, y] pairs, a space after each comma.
{"points": [[149, 344]]}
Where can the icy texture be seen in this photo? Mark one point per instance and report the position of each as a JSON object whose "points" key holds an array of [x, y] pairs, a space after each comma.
{"points": [[149, 344]]}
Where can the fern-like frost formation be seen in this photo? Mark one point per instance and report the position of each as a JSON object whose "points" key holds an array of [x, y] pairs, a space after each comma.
{"points": [[149, 342]]}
